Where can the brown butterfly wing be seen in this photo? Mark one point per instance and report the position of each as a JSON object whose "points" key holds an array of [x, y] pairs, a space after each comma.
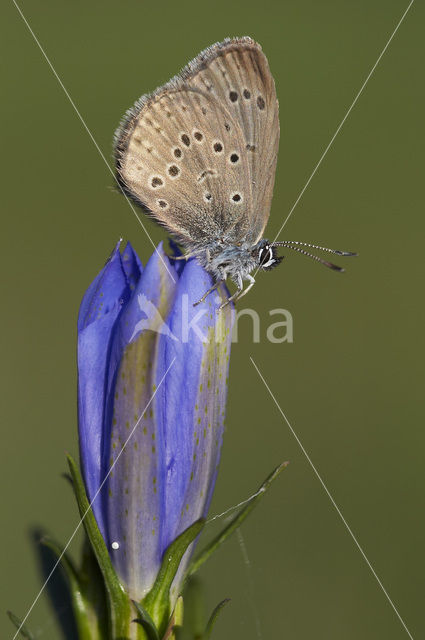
{"points": [[237, 73], [200, 153], [181, 157]]}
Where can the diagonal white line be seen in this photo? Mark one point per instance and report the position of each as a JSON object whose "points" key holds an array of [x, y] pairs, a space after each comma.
{"points": [[91, 503], [251, 594], [99, 150], [344, 119], [333, 501], [235, 506]]}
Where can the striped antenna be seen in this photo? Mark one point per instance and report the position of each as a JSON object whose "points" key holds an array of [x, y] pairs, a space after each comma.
{"points": [[295, 245]]}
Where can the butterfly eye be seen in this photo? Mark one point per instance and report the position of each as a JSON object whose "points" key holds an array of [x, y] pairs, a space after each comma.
{"points": [[267, 258], [264, 255]]}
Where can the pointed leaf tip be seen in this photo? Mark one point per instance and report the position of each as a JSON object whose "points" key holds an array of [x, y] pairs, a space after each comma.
{"points": [[213, 618], [236, 521], [86, 617], [146, 621], [22, 629], [61, 555]]}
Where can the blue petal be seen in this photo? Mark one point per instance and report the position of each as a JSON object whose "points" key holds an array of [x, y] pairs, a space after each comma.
{"points": [[132, 266], [133, 496], [104, 292], [190, 404], [99, 311]]}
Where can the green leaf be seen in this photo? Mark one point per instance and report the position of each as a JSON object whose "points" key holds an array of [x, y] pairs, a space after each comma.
{"points": [[89, 623], [157, 602], [213, 618], [235, 522], [93, 585], [119, 602], [25, 633], [146, 621]]}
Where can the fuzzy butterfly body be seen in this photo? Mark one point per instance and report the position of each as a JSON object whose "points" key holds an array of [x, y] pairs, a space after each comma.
{"points": [[199, 155]]}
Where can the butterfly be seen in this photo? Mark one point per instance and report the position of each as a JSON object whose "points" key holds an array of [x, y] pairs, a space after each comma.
{"points": [[199, 155]]}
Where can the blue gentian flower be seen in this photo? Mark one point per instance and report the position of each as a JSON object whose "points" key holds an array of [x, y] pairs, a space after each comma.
{"points": [[152, 391]]}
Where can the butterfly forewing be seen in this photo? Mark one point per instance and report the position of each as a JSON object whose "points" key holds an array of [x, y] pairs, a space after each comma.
{"points": [[200, 153], [178, 162]]}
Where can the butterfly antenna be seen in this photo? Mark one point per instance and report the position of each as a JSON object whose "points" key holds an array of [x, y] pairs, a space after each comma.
{"points": [[288, 243], [310, 255]]}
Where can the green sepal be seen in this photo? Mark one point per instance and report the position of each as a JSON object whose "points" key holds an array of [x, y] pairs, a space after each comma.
{"points": [[175, 621], [118, 601], [23, 630], [94, 587], [213, 618], [83, 591], [236, 522], [146, 621], [157, 602], [178, 613], [148, 624]]}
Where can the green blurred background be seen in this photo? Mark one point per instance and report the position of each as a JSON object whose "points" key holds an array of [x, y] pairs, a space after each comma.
{"points": [[351, 384]]}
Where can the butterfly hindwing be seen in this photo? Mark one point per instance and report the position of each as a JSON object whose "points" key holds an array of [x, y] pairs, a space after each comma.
{"points": [[237, 73]]}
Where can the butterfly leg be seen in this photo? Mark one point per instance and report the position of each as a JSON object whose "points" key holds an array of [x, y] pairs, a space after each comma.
{"points": [[207, 293], [245, 291], [186, 256], [238, 293]]}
